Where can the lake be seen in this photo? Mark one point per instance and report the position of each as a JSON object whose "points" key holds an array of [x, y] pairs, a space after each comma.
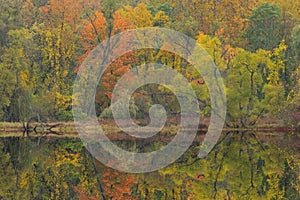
{"points": [[243, 165]]}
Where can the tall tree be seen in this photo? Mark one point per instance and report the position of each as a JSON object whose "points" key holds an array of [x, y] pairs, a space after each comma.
{"points": [[295, 45], [264, 31], [244, 88], [18, 60], [10, 18]]}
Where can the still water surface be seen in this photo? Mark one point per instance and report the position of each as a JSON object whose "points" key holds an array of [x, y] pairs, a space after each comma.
{"points": [[243, 165]]}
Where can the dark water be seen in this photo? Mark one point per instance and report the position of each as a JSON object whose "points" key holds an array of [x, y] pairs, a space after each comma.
{"points": [[243, 165]]}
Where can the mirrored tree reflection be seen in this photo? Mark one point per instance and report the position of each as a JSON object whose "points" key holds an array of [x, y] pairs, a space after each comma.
{"points": [[243, 165]]}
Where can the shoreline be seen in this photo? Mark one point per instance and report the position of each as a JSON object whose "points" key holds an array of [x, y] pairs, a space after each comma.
{"points": [[68, 128]]}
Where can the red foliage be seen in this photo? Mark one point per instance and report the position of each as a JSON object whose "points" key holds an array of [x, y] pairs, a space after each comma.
{"points": [[117, 185], [94, 32], [58, 13], [82, 194]]}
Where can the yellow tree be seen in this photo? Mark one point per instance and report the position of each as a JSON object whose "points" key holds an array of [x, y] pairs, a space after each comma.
{"points": [[274, 89], [58, 42], [138, 17]]}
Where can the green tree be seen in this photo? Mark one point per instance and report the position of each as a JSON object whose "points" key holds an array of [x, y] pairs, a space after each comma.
{"points": [[10, 18], [18, 59], [264, 30], [7, 82], [295, 45], [245, 83]]}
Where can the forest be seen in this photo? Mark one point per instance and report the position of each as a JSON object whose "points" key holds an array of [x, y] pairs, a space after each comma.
{"points": [[254, 43]]}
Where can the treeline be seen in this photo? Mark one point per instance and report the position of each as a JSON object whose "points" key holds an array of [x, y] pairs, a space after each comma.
{"points": [[255, 44]]}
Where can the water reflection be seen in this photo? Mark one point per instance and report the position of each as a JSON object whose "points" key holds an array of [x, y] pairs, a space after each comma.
{"points": [[243, 165]]}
